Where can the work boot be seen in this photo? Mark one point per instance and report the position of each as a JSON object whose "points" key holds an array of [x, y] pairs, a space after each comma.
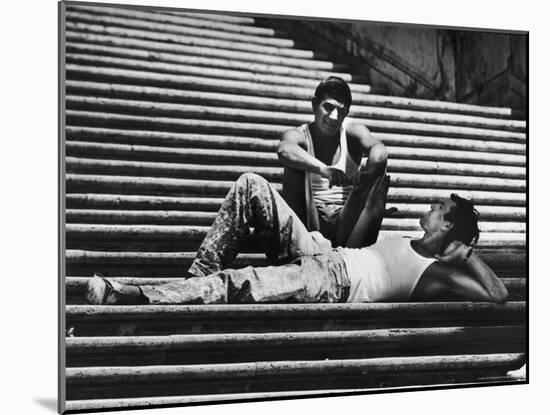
{"points": [[101, 291]]}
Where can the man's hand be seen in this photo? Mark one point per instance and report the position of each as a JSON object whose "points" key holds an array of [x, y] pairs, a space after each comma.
{"points": [[376, 199], [454, 254], [335, 176], [363, 179]]}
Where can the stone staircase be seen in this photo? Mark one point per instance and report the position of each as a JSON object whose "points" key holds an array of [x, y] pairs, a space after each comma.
{"points": [[164, 110]]}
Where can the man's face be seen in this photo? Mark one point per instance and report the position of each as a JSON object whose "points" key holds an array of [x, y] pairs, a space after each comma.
{"points": [[329, 114], [434, 221]]}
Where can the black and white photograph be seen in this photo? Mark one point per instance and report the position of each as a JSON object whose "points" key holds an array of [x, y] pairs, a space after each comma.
{"points": [[257, 206]]}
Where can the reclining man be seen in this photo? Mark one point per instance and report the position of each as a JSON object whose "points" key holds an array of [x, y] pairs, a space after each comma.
{"points": [[307, 269], [322, 160]]}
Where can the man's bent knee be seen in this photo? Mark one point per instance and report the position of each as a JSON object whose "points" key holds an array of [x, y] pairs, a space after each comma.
{"points": [[377, 161], [378, 155], [247, 178]]}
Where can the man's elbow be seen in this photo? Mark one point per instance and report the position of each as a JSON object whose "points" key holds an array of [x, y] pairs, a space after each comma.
{"points": [[500, 296], [497, 294], [378, 155], [283, 152]]}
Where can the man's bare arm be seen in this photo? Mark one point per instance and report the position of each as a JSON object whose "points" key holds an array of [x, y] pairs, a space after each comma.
{"points": [[470, 277], [292, 153], [363, 143], [366, 229]]}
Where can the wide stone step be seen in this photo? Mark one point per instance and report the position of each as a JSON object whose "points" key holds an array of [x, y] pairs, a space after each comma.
{"points": [[145, 184], [95, 201], [161, 138], [188, 36], [116, 382], [507, 262], [196, 70], [408, 217], [76, 287], [79, 183], [173, 23], [232, 168], [457, 156], [149, 320], [215, 17], [158, 52], [101, 111], [83, 183], [195, 208], [187, 82], [109, 120], [305, 346], [120, 91], [152, 154], [109, 217], [426, 142], [151, 217], [121, 41], [156, 402], [493, 257], [398, 224], [400, 146], [178, 237], [155, 169], [170, 401]]}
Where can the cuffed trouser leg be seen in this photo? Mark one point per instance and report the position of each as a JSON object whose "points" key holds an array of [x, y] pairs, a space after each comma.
{"points": [[309, 279], [207, 290]]}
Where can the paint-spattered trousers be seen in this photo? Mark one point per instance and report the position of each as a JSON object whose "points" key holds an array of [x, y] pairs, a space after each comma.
{"points": [[311, 270]]}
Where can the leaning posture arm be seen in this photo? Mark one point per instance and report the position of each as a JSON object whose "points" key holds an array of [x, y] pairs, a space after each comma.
{"points": [[292, 153], [363, 143], [474, 279], [366, 229]]}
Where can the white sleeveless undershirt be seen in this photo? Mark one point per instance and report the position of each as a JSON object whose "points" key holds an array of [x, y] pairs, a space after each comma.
{"points": [[336, 195], [386, 271]]}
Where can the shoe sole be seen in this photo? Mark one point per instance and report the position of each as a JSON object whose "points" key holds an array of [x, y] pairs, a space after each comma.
{"points": [[95, 292]]}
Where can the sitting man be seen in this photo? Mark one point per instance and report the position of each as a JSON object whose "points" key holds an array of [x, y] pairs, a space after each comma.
{"points": [[307, 269], [322, 160]]}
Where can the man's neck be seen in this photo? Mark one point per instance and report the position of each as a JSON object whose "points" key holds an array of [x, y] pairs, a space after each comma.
{"points": [[427, 246], [318, 136]]}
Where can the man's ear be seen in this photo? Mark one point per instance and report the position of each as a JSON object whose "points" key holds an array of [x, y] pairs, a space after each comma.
{"points": [[314, 103], [448, 225], [346, 111]]}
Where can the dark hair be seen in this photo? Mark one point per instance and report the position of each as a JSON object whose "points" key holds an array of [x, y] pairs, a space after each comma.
{"points": [[335, 87], [464, 217]]}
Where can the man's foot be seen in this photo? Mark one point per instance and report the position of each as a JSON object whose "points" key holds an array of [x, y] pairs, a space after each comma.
{"points": [[363, 181], [105, 292], [101, 291]]}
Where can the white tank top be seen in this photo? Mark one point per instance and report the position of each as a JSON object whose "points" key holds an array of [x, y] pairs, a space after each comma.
{"points": [[336, 195], [386, 271]]}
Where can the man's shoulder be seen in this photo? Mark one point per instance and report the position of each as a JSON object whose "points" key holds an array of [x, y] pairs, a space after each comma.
{"points": [[440, 271], [356, 130], [431, 283], [357, 135], [294, 134]]}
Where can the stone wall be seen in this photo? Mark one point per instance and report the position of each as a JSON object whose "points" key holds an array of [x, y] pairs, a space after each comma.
{"points": [[415, 61], [491, 69], [410, 61]]}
